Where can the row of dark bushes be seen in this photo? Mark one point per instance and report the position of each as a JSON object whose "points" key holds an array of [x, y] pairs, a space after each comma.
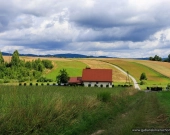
{"points": [[36, 84], [155, 88]]}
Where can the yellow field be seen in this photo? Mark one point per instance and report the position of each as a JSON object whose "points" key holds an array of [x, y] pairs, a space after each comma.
{"points": [[8, 58], [95, 64]]}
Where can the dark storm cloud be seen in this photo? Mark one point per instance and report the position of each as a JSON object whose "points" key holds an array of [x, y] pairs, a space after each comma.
{"points": [[86, 25]]}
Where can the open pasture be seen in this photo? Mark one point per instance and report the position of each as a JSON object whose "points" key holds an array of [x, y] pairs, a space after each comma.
{"points": [[117, 75], [73, 68], [135, 69]]}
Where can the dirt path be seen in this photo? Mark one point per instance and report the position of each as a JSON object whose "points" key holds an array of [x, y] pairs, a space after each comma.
{"points": [[133, 79]]}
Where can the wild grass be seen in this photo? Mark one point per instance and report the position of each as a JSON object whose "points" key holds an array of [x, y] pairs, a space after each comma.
{"points": [[54, 110], [164, 99], [73, 68]]}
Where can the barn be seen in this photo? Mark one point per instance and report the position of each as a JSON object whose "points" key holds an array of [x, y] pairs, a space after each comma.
{"points": [[97, 77]]}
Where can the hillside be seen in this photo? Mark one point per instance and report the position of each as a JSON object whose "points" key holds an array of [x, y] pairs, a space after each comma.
{"points": [[135, 69]]}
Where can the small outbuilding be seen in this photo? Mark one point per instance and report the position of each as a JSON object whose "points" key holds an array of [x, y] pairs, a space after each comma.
{"points": [[75, 81]]}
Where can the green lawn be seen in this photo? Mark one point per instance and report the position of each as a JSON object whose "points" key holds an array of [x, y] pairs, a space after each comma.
{"points": [[73, 68]]}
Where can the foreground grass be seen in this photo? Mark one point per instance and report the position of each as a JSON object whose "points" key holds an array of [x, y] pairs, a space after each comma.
{"points": [[140, 111], [55, 110]]}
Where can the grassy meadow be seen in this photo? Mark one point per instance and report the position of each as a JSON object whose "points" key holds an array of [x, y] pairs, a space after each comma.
{"points": [[56, 110], [73, 68], [80, 111], [135, 69]]}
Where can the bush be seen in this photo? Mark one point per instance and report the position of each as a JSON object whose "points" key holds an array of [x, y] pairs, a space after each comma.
{"points": [[25, 84], [36, 84], [20, 84], [113, 85], [104, 96], [31, 84], [55, 84], [42, 84], [6, 81], [107, 86], [89, 85], [95, 85], [101, 85], [48, 84], [143, 83]]}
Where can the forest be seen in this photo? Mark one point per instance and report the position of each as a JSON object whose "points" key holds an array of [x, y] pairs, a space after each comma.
{"points": [[22, 70]]}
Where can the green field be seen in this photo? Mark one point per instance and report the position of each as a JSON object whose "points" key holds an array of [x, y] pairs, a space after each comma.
{"points": [[135, 69], [74, 68]]}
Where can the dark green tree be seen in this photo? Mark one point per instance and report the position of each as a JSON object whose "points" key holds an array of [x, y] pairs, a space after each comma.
{"points": [[63, 77], [1, 59], [15, 61], [169, 58], [143, 77]]}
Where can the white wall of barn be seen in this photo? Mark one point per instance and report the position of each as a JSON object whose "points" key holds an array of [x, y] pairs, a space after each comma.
{"points": [[86, 84]]}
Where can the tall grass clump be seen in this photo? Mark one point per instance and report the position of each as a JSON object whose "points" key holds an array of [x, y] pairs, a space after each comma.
{"points": [[104, 96]]}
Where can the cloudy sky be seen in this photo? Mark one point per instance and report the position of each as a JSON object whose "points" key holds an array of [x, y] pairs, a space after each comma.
{"points": [[117, 28]]}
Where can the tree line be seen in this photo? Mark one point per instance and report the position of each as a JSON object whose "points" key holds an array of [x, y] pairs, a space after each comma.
{"points": [[22, 70], [158, 58]]}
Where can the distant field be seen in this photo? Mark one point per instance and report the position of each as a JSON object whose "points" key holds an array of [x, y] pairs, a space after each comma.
{"points": [[73, 67], [161, 67], [135, 69], [117, 76]]}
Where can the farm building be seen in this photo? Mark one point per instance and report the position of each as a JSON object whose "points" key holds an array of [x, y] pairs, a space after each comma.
{"points": [[94, 77], [75, 80], [97, 77]]}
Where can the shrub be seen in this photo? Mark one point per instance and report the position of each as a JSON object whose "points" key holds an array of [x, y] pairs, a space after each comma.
{"points": [[101, 85], [104, 96], [89, 85], [36, 84], [48, 84], [95, 85], [143, 83], [25, 84], [54, 84], [107, 86], [6, 81], [42, 84], [113, 85], [31, 84], [20, 84]]}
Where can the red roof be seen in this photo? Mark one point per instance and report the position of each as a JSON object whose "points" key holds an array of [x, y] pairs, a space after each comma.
{"points": [[75, 80], [97, 75]]}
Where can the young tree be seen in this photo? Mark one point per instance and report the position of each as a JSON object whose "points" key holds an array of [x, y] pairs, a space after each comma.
{"points": [[63, 77], [143, 77], [15, 61], [1, 58]]}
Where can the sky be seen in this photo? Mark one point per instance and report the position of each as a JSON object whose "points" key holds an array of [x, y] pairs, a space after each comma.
{"points": [[114, 28]]}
